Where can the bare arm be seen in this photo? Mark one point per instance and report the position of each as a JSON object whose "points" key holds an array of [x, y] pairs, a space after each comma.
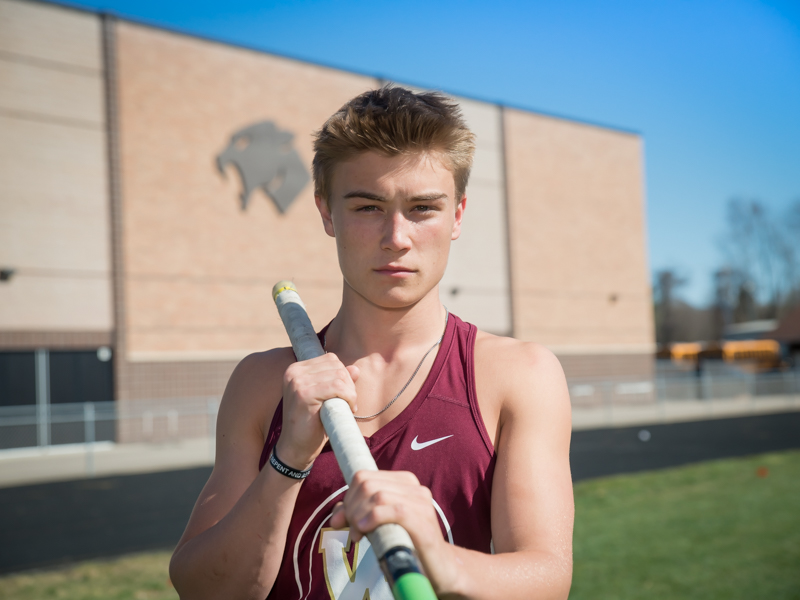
{"points": [[532, 504], [234, 542]]}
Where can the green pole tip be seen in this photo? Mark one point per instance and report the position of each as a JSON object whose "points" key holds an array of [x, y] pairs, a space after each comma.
{"points": [[413, 586]]}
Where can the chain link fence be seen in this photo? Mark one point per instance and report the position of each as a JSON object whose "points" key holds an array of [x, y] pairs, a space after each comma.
{"points": [[147, 421], [676, 386], [174, 419]]}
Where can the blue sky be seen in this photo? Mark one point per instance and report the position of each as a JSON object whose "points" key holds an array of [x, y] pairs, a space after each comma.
{"points": [[712, 85]]}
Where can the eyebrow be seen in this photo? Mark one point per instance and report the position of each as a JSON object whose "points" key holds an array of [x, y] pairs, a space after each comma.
{"points": [[377, 198]]}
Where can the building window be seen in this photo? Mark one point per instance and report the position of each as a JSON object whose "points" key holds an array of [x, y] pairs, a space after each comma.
{"points": [[44, 397]]}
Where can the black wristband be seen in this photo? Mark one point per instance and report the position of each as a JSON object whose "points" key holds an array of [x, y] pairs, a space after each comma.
{"points": [[285, 469]]}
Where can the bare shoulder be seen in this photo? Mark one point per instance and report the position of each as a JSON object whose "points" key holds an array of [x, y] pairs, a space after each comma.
{"points": [[518, 380], [252, 394], [521, 385], [499, 353], [250, 399]]}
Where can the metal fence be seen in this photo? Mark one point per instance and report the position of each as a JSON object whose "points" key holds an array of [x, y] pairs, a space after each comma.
{"points": [[676, 387], [155, 421], [160, 421]]}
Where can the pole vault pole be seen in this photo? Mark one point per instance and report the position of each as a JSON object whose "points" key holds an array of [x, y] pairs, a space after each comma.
{"points": [[391, 543]]}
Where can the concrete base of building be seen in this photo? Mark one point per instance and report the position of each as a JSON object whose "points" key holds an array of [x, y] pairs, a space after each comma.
{"points": [[54, 340], [607, 366]]}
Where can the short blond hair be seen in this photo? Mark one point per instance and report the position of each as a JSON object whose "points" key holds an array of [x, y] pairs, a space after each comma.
{"points": [[394, 121]]}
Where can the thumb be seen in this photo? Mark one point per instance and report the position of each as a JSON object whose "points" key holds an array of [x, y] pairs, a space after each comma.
{"points": [[338, 518], [354, 372]]}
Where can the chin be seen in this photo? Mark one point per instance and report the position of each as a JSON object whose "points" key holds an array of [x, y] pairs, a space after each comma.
{"points": [[394, 300], [397, 296]]}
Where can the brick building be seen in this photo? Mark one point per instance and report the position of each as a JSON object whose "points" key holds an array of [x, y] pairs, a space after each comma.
{"points": [[119, 231]]}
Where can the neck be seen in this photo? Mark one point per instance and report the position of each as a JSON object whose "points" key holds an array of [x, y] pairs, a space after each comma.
{"points": [[362, 328]]}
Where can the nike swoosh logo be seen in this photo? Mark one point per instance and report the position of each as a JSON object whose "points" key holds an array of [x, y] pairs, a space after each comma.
{"points": [[415, 445]]}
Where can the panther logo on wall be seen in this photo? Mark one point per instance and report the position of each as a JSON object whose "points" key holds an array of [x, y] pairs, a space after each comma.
{"points": [[265, 159]]}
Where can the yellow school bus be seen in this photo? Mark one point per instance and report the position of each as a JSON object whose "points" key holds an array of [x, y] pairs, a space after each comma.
{"points": [[763, 355], [686, 351], [752, 355]]}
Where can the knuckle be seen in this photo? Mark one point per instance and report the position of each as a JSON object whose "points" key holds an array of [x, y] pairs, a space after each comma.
{"points": [[410, 477], [369, 488], [297, 382]]}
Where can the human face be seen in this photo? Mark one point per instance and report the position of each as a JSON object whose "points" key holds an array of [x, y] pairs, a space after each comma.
{"points": [[393, 219]]}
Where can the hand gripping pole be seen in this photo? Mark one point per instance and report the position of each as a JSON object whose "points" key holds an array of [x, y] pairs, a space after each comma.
{"points": [[391, 543]]}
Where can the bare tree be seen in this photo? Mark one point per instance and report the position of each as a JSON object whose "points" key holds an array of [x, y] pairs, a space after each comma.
{"points": [[727, 283], [791, 225], [666, 284], [763, 256]]}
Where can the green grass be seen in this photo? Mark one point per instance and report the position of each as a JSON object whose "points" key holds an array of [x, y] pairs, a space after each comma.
{"points": [[133, 577], [713, 531]]}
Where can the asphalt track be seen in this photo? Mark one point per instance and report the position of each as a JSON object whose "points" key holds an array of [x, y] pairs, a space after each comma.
{"points": [[62, 522]]}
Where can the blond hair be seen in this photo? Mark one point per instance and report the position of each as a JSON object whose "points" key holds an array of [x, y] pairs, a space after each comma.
{"points": [[394, 121]]}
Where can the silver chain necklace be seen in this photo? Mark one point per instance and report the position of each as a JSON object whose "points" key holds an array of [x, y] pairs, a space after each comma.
{"points": [[410, 379]]}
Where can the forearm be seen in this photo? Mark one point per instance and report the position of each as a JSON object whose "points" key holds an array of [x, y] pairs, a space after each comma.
{"points": [[239, 557], [513, 575]]}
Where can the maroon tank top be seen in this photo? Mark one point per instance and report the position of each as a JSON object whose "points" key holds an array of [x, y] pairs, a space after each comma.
{"points": [[440, 437]]}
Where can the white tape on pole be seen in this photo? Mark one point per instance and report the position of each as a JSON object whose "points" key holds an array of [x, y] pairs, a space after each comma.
{"points": [[348, 444]]}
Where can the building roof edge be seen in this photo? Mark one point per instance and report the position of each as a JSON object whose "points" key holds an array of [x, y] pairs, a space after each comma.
{"points": [[379, 77]]}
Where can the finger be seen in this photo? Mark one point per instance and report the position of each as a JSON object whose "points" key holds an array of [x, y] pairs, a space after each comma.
{"points": [[318, 387], [397, 489], [361, 499], [354, 372], [319, 364], [381, 514], [335, 389], [359, 506], [375, 480], [338, 516]]}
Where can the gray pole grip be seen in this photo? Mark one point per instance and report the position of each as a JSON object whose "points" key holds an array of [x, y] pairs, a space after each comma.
{"points": [[348, 444]]}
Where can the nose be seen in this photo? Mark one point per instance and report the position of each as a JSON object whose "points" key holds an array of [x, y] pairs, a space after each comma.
{"points": [[396, 234]]}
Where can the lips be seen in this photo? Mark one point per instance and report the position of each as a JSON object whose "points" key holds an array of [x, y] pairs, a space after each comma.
{"points": [[394, 270]]}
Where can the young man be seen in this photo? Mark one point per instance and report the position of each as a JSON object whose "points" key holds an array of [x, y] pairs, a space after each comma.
{"points": [[472, 429]]}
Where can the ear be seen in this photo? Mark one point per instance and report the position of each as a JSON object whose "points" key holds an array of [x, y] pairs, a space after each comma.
{"points": [[325, 213], [460, 208]]}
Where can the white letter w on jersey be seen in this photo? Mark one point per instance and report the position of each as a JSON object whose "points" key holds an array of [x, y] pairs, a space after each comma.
{"points": [[363, 580]]}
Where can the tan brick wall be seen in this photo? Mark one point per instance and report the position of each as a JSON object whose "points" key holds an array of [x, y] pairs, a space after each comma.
{"points": [[154, 381], [149, 391], [198, 269], [54, 225], [478, 267], [475, 285], [578, 254]]}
